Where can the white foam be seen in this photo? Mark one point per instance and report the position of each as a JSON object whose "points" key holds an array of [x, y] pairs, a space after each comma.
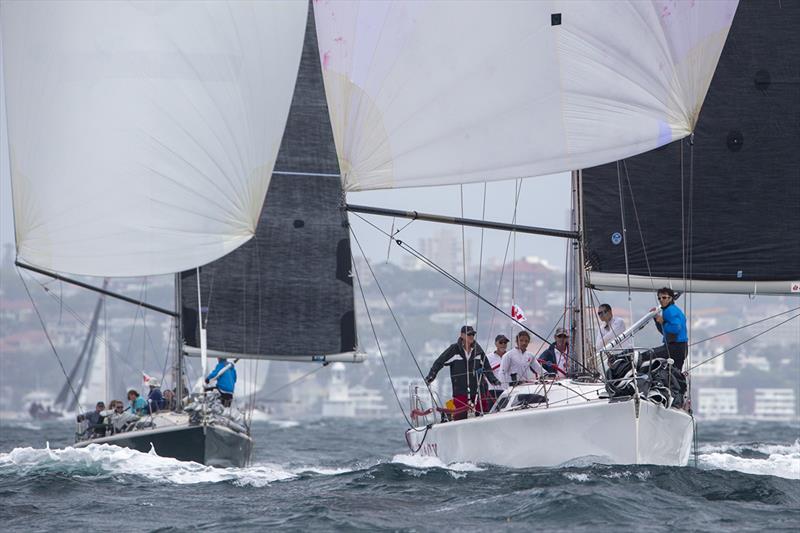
{"points": [[786, 465], [784, 449], [284, 424], [424, 462], [104, 459], [582, 478]]}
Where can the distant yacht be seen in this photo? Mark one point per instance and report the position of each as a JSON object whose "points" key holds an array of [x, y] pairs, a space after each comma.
{"points": [[351, 402]]}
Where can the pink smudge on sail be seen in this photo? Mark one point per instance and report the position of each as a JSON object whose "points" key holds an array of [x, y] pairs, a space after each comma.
{"points": [[326, 57]]}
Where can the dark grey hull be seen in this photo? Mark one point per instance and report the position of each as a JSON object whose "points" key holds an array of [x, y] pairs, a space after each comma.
{"points": [[209, 445]]}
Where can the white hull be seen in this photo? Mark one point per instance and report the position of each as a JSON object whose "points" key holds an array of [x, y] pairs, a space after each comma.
{"points": [[605, 431]]}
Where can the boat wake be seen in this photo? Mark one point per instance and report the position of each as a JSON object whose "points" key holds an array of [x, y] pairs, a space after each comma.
{"points": [[761, 459], [421, 462], [106, 461]]}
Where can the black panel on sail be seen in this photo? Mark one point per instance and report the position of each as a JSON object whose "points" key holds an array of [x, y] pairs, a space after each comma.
{"points": [[745, 195], [286, 293]]}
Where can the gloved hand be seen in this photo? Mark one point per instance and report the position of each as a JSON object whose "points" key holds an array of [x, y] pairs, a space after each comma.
{"points": [[429, 380], [206, 380]]}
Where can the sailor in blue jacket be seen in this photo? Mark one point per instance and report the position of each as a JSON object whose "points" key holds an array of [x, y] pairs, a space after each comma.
{"points": [[672, 325], [225, 373]]}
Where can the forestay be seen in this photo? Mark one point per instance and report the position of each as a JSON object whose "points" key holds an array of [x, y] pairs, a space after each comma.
{"points": [[432, 93], [143, 135], [288, 293], [733, 223]]}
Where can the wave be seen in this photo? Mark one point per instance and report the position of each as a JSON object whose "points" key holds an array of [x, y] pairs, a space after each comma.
{"points": [[781, 460], [108, 461], [423, 462]]}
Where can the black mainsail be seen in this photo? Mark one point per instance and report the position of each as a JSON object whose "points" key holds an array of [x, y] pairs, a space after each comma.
{"points": [[292, 279], [741, 210]]}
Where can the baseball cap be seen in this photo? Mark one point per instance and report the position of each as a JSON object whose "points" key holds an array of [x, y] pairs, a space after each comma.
{"points": [[562, 331], [467, 329], [500, 337]]}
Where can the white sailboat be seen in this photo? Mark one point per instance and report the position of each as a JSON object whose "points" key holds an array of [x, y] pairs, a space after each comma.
{"points": [[421, 94]]}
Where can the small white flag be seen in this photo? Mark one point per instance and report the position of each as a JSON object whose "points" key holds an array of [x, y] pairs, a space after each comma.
{"points": [[517, 313]]}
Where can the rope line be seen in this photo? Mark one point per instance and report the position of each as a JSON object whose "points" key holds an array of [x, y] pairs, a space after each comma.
{"points": [[377, 342], [301, 378], [744, 342], [49, 340], [388, 306], [745, 326]]}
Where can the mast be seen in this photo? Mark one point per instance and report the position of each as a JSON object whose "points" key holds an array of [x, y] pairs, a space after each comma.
{"points": [[177, 369], [578, 281]]}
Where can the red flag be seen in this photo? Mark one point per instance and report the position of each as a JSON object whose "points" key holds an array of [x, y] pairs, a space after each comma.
{"points": [[517, 313]]}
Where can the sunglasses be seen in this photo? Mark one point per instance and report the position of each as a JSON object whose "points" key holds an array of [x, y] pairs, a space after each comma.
{"points": [[601, 313], [502, 342], [664, 297], [471, 334]]}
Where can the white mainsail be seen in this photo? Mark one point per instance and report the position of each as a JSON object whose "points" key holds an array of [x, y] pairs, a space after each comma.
{"points": [[143, 135], [432, 93]]}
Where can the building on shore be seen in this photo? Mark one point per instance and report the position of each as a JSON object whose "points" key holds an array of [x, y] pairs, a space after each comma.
{"points": [[717, 403], [775, 404]]}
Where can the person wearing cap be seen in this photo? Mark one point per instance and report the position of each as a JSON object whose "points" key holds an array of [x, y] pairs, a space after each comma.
{"points": [[671, 323], [155, 400], [467, 362], [555, 359], [610, 327], [495, 359], [519, 365], [94, 421]]}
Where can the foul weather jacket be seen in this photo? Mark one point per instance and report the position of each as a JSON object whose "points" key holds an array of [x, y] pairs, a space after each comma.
{"points": [[674, 327], [464, 370], [227, 381]]}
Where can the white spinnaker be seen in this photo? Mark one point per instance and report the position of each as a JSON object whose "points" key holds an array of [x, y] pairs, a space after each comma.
{"points": [[431, 93], [142, 135]]}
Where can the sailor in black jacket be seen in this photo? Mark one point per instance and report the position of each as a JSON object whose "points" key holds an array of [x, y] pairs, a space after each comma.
{"points": [[467, 362]]}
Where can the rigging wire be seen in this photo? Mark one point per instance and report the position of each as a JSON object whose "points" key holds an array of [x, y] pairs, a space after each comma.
{"points": [[49, 340], [480, 261], [744, 342], [625, 240], [452, 278], [377, 342], [81, 321], [463, 255], [745, 326], [301, 378], [517, 192], [389, 307]]}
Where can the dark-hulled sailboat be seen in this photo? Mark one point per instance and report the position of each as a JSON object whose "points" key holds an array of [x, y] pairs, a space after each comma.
{"points": [[165, 140]]}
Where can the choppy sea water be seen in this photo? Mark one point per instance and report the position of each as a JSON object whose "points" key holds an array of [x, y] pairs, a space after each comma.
{"points": [[356, 475]]}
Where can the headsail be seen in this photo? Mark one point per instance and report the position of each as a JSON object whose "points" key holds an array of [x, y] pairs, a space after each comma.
{"points": [[286, 294], [432, 93], [741, 226], [143, 135]]}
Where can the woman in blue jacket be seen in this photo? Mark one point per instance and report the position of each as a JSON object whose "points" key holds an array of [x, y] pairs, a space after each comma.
{"points": [[671, 323]]}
